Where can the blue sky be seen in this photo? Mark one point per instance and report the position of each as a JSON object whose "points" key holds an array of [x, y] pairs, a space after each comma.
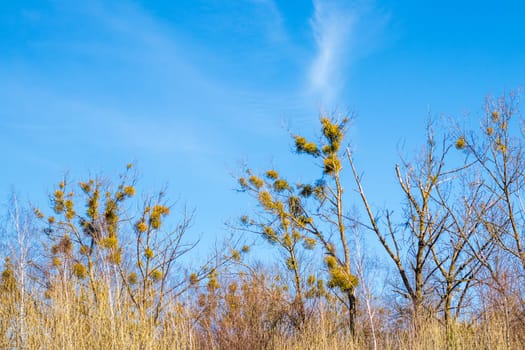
{"points": [[190, 90]]}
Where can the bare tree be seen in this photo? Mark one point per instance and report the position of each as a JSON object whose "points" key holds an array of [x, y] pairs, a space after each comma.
{"points": [[457, 254], [498, 150], [430, 235], [366, 292], [19, 239]]}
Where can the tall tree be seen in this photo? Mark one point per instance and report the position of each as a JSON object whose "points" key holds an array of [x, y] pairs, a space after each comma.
{"points": [[110, 248], [314, 212]]}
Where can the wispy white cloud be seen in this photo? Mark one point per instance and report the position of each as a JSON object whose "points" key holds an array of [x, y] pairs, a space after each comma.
{"points": [[332, 26], [343, 31]]}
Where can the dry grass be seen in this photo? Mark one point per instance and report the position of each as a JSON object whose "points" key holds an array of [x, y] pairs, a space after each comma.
{"points": [[433, 336], [71, 319]]}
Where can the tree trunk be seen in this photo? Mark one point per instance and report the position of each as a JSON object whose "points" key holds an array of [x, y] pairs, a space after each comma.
{"points": [[352, 312]]}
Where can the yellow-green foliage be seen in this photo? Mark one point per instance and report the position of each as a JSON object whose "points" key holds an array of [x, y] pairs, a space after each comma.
{"points": [[56, 261], [265, 199], [111, 215], [236, 255], [132, 278], [8, 282], [194, 279], [290, 264], [272, 174], [256, 181], [64, 246], [270, 234], [319, 192], [303, 221], [93, 204], [461, 142], [245, 219], [156, 275], [115, 257], [59, 201], [310, 281], [148, 253], [141, 226], [339, 277], [109, 242], [38, 213], [332, 164], [84, 250], [280, 185], [333, 133], [243, 182], [287, 241], [70, 211], [306, 190], [501, 147], [157, 213], [294, 206], [129, 191], [86, 186], [213, 282], [62, 203], [309, 243], [330, 262], [303, 146], [79, 270]]}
